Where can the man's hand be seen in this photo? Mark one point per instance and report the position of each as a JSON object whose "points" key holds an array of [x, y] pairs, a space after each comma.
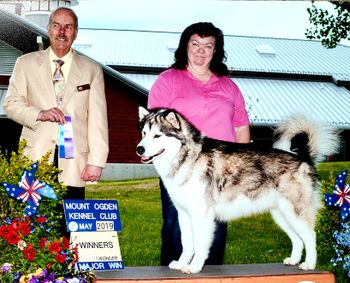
{"points": [[91, 173], [53, 115]]}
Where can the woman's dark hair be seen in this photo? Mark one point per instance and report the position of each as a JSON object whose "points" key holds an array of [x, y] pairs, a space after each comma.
{"points": [[203, 29]]}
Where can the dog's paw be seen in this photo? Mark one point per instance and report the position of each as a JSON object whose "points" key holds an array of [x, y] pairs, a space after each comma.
{"points": [[184, 268], [290, 261], [176, 265], [188, 269], [191, 268], [307, 266]]}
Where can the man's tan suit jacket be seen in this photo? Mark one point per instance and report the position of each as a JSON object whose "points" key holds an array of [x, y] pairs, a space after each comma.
{"points": [[31, 90]]}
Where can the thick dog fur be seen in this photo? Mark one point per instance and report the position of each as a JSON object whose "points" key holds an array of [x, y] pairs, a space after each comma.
{"points": [[209, 179]]}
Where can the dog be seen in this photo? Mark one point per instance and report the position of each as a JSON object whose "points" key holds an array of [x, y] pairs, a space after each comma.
{"points": [[210, 180]]}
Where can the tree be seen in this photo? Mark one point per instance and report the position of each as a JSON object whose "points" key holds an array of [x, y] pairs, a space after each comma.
{"points": [[328, 27]]}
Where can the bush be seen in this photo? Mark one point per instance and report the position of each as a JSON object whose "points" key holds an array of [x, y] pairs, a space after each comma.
{"points": [[327, 224], [32, 249], [10, 172]]}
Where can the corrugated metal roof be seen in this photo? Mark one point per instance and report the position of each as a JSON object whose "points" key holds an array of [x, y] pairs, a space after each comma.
{"points": [[155, 49], [8, 55], [127, 48], [292, 56], [269, 101]]}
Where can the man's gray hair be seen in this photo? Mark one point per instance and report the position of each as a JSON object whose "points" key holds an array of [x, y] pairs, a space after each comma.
{"points": [[69, 10]]}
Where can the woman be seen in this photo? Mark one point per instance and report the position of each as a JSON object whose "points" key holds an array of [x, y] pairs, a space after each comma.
{"points": [[197, 86]]}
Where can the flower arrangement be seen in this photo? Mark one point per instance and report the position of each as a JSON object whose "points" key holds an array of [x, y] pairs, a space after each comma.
{"points": [[32, 249], [340, 236], [342, 247]]}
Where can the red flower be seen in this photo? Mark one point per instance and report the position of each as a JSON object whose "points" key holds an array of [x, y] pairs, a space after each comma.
{"points": [[55, 247], [75, 255], [15, 224], [48, 265], [29, 253], [65, 243], [42, 243], [61, 258], [5, 230], [41, 219], [12, 238], [24, 228]]}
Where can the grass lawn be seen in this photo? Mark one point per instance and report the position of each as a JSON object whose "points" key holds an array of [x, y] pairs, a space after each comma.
{"points": [[140, 213], [250, 240]]}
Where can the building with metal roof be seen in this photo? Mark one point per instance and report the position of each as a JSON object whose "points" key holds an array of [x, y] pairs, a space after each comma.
{"points": [[278, 77]]}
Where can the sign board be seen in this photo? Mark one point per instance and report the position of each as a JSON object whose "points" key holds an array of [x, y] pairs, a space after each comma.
{"points": [[91, 215], [97, 250]]}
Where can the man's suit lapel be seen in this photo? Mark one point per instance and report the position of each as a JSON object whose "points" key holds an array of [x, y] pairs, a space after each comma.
{"points": [[73, 79]]}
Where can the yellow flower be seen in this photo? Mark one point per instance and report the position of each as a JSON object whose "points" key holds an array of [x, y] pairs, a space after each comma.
{"points": [[38, 272], [25, 278]]}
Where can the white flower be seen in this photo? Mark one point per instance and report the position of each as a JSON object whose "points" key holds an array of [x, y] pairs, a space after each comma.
{"points": [[73, 280], [22, 245]]}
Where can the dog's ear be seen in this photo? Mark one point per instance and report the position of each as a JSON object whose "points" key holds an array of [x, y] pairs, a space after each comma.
{"points": [[142, 112], [173, 119]]}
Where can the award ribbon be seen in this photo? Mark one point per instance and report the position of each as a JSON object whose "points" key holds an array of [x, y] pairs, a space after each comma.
{"points": [[66, 144]]}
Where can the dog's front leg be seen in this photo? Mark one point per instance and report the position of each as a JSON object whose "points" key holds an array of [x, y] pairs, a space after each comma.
{"points": [[186, 241], [203, 235]]}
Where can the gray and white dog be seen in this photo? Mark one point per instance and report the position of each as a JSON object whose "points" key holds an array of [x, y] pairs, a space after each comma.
{"points": [[209, 179]]}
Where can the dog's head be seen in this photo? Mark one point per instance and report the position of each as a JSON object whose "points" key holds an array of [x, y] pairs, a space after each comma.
{"points": [[162, 135]]}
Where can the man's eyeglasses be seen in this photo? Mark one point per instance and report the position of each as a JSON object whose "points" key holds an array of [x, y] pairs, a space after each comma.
{"points": [[67, 27]]}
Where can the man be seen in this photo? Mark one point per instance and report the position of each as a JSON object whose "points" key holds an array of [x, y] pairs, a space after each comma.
{"points": [[70, 120]]}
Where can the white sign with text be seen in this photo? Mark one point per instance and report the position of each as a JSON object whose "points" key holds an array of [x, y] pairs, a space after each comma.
{"points": [[97, 250]]}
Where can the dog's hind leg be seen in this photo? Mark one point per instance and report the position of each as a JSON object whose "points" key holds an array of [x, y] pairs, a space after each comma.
{"points": [[299, 229], [308, 235], [297, 243]]}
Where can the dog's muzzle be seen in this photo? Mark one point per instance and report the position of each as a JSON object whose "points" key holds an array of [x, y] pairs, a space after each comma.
{"points": [[140, 150]]}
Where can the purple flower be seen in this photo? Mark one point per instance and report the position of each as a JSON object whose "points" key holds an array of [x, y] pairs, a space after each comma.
{"points": [[16, 277], [6, 267], [51, 276], [43, 273]]}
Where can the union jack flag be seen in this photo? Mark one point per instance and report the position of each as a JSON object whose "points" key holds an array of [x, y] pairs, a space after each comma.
{"points": [[30, 190], [340, 196]]}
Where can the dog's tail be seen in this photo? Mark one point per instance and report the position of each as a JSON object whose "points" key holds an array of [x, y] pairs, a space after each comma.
{"points": [[310, 140]]}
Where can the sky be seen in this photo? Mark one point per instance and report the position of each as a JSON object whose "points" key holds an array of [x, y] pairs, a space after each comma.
{"points": [[283, 19]]}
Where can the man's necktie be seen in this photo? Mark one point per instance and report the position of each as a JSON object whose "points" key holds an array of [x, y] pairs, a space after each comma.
{"points": [[58, 81], [66, 145]]}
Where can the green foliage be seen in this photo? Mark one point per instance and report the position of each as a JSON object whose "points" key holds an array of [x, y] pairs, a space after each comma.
{"points": [[10, 172], [256, 239], [325, 170], [140, 213], [27, 244], [328, 27], [32, 248], [327, 223]]}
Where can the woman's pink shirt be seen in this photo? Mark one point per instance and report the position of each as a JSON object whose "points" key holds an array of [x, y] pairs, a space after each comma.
{"points": [[215, 108]]}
